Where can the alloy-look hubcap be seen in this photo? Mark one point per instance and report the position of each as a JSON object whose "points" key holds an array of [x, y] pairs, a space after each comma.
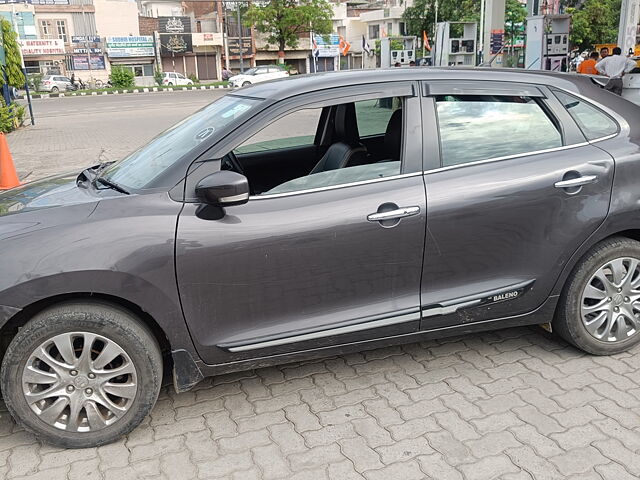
{"points": [[79, 382], [610, 304]]}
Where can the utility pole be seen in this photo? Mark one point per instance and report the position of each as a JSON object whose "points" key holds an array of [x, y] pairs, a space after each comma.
{"points": [[240, 45]]}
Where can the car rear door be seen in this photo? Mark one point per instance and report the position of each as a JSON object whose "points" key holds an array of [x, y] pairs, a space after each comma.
{"points": [[513, 189], [306, 268]]}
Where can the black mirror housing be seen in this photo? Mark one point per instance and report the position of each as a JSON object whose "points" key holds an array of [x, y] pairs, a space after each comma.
{"points": [[223, 189]]}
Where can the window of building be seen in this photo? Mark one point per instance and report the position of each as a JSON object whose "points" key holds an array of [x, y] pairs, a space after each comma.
{"points": [[374, 31], [54, 29], [481, 127], [402, 28], [593, 122], [389, 29]]}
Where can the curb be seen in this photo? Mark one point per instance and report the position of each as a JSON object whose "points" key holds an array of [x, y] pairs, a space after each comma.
{"points": [[125, 91]]}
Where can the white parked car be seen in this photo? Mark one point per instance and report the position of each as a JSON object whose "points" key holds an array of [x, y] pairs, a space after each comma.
{"points": [[258, 74], [173, 78]]}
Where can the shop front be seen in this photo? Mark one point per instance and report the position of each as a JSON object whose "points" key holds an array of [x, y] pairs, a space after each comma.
{"points": [[136, 53], [44, 56], [207, 50], [176, 45]]}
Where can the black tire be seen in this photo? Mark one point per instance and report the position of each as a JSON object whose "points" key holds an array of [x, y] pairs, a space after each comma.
{"points": [[55, 90], [246, 83], [170, 84], [568, 322], [115, 324]]}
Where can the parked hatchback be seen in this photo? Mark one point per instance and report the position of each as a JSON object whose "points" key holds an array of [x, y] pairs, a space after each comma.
{"points": [[55, 83], [173, 78], [257, 75], [319, 216]]}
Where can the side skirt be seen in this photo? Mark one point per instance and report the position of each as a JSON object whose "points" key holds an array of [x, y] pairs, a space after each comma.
{"points": [[186, 375]]}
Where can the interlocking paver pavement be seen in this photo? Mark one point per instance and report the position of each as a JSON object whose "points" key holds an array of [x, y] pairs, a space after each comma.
{"points": [[511, 404]]}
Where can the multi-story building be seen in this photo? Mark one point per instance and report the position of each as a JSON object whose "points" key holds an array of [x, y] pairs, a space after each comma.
{"points": [[188, 36]]}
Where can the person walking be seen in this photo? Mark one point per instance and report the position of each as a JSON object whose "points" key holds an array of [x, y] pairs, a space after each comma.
{"points": [[588, 66], [614, 67], [226, 74]]}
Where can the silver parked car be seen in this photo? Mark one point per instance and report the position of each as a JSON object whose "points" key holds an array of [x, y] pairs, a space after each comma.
{"points": [[55, 83]]}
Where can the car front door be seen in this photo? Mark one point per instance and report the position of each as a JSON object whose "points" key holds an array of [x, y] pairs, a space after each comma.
{"points": [[513, 189], [312, 262]]}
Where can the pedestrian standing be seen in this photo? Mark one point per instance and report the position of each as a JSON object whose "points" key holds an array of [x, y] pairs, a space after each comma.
{"points": [[604, 53], [614, 67], [226, 74], [588, 66]]}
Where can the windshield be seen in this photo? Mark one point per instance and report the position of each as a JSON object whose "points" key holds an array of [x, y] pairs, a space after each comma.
{"points": [[251, 71], [141, 167]]}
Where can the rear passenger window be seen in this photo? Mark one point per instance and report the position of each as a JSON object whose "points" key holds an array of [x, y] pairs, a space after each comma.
{"points": [[481, 127], [373, 115], [593, 122]]}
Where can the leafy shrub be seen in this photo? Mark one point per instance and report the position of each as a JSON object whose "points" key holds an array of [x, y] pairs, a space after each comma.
{"points": [[121, 77], [35, 81], [157, 76], [11, 117], [193, 78]]}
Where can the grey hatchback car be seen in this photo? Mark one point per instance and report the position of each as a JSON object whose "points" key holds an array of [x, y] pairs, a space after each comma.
{"points": [[315, 216]]}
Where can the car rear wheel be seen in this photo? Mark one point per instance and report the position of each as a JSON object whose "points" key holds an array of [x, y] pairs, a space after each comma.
{"points": [[81, 374], [244, 84], [170, 84], [599, 310], [55, 89]]}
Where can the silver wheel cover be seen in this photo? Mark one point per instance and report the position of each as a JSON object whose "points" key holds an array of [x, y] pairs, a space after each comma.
{"points": [[79, 382], [610, 302]]}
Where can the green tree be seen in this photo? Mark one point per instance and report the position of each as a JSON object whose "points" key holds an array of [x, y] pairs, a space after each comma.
{"points": [[285, 20], [12, 51], [515, 15], [421, 16], [594, 21]]}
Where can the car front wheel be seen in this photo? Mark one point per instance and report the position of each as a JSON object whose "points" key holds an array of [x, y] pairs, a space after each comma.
{"points": [[244, 84], [81, 375], [599, 310]]}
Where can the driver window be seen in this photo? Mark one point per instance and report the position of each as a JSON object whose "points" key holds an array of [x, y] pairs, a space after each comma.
{"points": [[362, 141]]}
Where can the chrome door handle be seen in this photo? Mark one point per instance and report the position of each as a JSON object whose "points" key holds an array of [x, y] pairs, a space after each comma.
{"points": [[576, 182], [394, 214]]}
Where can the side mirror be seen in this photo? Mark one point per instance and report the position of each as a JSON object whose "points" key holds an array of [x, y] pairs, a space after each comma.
{"points": [[223, 189]]}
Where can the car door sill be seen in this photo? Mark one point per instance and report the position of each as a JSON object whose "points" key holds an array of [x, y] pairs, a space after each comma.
{"points": [[403, 316]]}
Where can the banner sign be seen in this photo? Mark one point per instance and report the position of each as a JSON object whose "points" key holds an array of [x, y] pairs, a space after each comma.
{"points": [[84, 39], [42, 47], [326, 45], [207, 39], [141, 46], [234, 46], [84, 50], [497, 41], [175, 44], [36, 2], [80, 62], [174, 24]]}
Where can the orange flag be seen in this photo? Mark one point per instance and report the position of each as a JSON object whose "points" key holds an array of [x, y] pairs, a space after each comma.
{"points": [[425, 40]]}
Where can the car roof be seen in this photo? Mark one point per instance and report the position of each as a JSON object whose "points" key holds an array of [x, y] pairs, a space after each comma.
{"points": [[299, 84]]}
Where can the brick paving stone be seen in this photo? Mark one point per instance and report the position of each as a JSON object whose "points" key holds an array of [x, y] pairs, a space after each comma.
{"points": [[361, 455], [372, 432], [404, 450], [620, 454], [316, 457], [436, 467], [344, 471], [489, 468], [578, 461], [492, 444], [85, 470], [405, 471], [329, 434], [577, 437], [271, 462], [527, 459]]}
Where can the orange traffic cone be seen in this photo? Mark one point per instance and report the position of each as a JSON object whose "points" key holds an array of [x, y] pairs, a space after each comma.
{"points": [[8, 174]]}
